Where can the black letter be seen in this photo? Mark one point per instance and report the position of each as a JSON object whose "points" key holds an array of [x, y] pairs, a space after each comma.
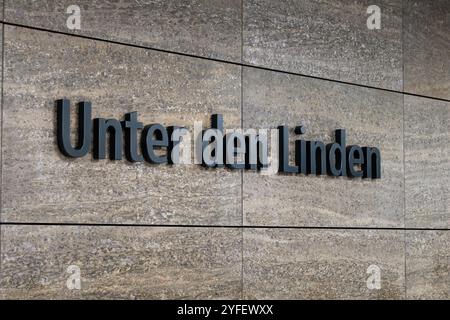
{"points": [[154, 136], [317, 163], [336, 155], [101, 127], [354, 157], [216, 154], [217, 122], [300, 151], [372, 164], [131, 126], [233, 147], [284, 151], [84, 128], [256, 151]]}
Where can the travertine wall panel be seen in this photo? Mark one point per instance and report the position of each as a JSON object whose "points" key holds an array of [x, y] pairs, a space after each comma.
{"points": [[140, 231]]}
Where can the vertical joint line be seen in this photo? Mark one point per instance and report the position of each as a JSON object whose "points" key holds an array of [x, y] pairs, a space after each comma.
{"points": [[403, 142], [1, 132], [242, 171]]}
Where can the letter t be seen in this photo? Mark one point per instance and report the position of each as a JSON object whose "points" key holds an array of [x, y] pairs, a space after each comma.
{"points": [[131, 126]]}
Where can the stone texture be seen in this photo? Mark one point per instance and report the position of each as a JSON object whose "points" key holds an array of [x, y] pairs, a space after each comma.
{"points": [[427, 47], [120, 262], [328, 39], [428, 265], [427, 163], [41, 185], [370, 117], [210, 28], [322, 264], [1, 104], [1, 96]]}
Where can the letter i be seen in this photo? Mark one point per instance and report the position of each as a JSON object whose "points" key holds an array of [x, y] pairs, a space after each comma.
{"points": [[300, 151]]}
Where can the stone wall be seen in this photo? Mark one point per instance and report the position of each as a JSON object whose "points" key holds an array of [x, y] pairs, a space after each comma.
{"points": [[135, 230]]}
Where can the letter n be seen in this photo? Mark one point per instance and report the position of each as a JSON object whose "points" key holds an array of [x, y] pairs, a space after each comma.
{"points": [[101, 129], [372, 165]]}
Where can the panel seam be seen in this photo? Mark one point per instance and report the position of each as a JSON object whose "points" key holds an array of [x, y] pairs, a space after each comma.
{"points": [[18, 223], [403, 147], [257, 67], [242, 128], [1, 139]]}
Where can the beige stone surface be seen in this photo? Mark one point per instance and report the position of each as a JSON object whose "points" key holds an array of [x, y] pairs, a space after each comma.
{"points": [[428, 264], [427, 163], [42, 185], [120, 262], [209, 28], [322, 264], [328, 39], [370, 117], [316, 236], [427, 47]]}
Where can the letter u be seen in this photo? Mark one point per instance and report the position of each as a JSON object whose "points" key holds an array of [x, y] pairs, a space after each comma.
{"points": [[84, 128]]}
